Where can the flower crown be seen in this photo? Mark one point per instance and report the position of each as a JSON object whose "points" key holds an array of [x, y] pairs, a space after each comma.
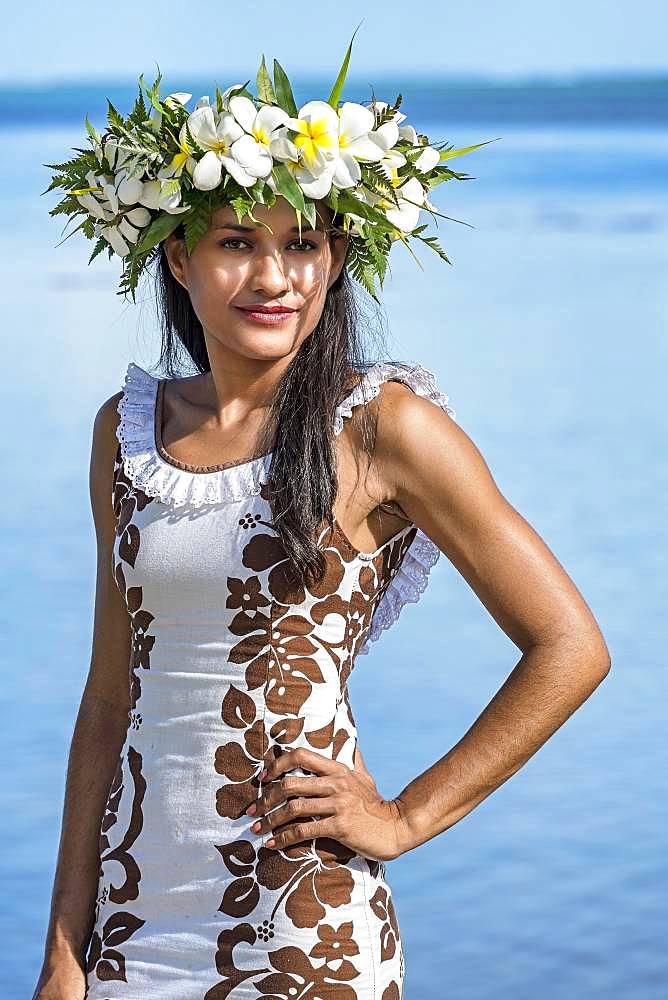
{"points": [[164, 167]]}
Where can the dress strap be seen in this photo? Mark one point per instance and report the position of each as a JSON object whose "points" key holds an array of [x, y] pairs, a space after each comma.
{"points": [[411, 580], [419, 379]]}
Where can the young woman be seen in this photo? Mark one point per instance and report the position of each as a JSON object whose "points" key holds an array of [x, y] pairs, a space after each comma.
{"points": [[259, 524], [238, 711]]}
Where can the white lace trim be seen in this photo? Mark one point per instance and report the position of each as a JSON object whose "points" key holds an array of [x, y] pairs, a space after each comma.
{"points": [[147, 469], [411, 580]]}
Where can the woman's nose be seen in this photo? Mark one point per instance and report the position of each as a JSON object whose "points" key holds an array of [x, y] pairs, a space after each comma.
{"points": [[269, 272]]}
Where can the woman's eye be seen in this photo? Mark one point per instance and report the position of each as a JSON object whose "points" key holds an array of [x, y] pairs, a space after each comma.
{"points": [[301, 244], [306, 243], [231, 239]]}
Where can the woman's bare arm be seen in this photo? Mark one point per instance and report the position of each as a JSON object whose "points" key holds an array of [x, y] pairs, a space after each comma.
{"points": [[436, 473], [99, 732]]}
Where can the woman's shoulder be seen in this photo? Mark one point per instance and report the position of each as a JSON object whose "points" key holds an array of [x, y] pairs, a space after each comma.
{"points": [[106, 421]]}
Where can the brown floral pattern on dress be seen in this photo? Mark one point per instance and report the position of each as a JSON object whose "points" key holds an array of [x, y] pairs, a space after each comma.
{"points": [[311, 874], [383, 907], [126, 499], [392, 992], [285, 650], [105, 959], [326, 971]]}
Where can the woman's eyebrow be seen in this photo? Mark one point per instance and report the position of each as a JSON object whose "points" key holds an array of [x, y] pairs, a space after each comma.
{"points": [[251, 229]]}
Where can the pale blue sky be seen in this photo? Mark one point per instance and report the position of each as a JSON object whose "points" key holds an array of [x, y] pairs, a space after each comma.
{"points": [[124, 38]]}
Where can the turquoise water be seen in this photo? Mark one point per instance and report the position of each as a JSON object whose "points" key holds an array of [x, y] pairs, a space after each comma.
{"points": [[549, 335]]}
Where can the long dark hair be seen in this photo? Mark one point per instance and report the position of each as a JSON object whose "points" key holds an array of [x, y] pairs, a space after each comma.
{"points": [[302, 474]]}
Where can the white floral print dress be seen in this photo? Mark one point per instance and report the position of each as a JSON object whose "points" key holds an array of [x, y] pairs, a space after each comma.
{"points": [[230, 666]]}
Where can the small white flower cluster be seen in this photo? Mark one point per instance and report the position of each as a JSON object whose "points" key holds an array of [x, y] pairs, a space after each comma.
{"points": [[322, 148]]}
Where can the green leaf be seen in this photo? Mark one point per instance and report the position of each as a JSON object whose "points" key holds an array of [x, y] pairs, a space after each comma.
{"points": [[310, 213], [348, 203], [159, 230], [265, 90], [139, 113], [288, 187], [433, 243], [93, 133], [256, 191], [98, 248], [114, 118], [196, 223], [450, 153], [153, 93], [192, 141], [333, 98], [283, 90], [241, 206]]}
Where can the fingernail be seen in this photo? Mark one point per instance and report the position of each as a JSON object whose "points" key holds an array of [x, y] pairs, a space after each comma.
{"points": [[264, 773], [251, 809], [271, 843], [256, 827]]}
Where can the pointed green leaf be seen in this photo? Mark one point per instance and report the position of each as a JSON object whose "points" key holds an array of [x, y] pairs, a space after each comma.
{"points": [[450, 153], [310, 213], [93, 133], [265, 90], [335, 95], [348, 203], [283, 90], [288, 187], [159, 230]]}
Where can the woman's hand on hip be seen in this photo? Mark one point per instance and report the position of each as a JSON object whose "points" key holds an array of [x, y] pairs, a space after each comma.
{"points": [[347, 804]]}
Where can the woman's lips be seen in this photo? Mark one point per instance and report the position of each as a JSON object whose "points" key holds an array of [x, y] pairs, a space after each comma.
{"points": [[267, 316]]}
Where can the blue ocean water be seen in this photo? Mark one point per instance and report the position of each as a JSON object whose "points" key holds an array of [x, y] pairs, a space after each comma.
{"points": [[548, 332]]}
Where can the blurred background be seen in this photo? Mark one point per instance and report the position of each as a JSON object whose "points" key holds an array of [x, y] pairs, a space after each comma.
{"points": [[549, 334]]}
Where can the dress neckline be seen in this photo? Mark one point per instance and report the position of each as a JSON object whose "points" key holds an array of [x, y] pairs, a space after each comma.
{"points": [[158, 410]]}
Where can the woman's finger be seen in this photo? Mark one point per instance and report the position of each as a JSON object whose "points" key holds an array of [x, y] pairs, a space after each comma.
{"points": [[306, 760], [278, 791], [297, 832], [291, 810]]}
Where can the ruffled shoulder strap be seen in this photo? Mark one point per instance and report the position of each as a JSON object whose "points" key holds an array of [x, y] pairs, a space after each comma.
{"points": [[421, 380], [411, 580], [149, 471]]}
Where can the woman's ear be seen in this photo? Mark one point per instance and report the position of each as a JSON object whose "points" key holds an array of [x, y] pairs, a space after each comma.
{"points": [[175, 252]]}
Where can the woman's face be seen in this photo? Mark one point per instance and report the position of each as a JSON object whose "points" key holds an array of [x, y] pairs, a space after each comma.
{"points": [[243, 264]]}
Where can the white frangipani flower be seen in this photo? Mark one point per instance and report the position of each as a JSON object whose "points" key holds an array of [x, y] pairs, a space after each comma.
{"points": [[132, 223], [312, 185], [355, 143], [253, 150], [411, 197], [217, 133], [316, 185], [114, 239], [317, 139], [408, 133], [428, 159]]}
